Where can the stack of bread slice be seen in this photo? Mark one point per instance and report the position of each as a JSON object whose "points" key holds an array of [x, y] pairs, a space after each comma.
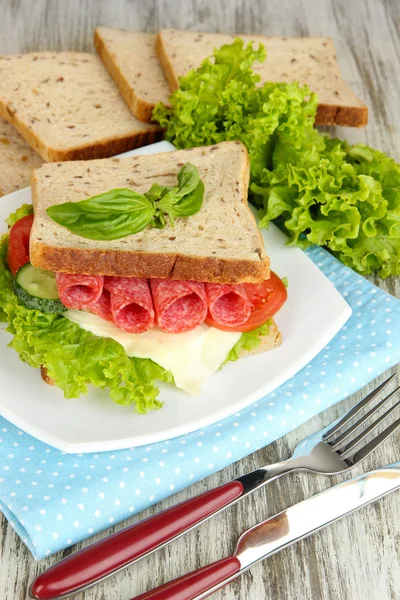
{"points": [[133, 60], [60, 106], [67, 107], [17, 160]]}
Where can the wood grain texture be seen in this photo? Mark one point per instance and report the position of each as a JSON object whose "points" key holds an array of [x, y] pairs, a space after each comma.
{"points": [[359, 557]]}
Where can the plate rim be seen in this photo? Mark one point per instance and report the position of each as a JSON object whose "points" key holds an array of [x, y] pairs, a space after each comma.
{"points": [[71, 447]]}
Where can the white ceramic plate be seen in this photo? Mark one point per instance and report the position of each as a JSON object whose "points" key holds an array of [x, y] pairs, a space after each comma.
{"points": [[308, 321]]}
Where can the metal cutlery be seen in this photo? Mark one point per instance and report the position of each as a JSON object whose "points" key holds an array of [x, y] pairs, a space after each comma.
{"points": [[280, 531], [327, 452]]}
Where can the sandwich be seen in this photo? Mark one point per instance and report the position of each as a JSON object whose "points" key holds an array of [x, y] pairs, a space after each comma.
{"points": [[137, 269]]}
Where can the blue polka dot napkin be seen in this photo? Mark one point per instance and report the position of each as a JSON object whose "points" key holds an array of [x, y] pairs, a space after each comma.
{"points": [[53, 499]]}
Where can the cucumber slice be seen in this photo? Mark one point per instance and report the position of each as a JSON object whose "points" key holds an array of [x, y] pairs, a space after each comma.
{"points": [[37, 289]]}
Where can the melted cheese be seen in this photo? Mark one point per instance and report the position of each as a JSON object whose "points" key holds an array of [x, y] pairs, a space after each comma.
{"points": [[192, 357]]}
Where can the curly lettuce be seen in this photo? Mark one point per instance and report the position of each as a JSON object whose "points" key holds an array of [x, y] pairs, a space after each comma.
{"points": [[73, 357], [22, 211], [222, 100], [249, 341], [318, 189]]}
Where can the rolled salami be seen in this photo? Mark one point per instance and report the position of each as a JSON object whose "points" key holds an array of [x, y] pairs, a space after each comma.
{"points": [[180, 305], [228, 304], [79, 291], [131, 303]]}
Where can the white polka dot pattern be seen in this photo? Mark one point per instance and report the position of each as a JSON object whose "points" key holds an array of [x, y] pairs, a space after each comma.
{"points": [[54, 500]]}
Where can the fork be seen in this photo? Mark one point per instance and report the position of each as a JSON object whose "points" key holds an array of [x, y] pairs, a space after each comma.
{"points": [[327, 452]]}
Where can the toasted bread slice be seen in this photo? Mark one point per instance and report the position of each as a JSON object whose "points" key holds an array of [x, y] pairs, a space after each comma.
{"points": [[308, 60], [67, 107], [17, 160], [131, 60], [220, 243]]}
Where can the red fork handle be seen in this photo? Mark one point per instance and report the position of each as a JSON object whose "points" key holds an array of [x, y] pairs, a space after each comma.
{"points": [[198, 582], [86, 567]]}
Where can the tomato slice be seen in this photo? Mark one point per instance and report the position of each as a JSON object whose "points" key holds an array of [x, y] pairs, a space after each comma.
{"points": [[18, 245], [265, 298]]}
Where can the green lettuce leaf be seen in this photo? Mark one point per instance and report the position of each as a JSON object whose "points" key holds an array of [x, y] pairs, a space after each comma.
{"points": [[346, 198], [22, 211], [76, 358], [222, 100], [319, 190], [6, 279], [248, 341]]}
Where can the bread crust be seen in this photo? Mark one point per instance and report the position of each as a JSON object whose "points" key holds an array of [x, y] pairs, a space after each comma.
{"points": [[149, 265], [346, 116], [104, 149], [142, 109], [169, 72], [45, 376]]}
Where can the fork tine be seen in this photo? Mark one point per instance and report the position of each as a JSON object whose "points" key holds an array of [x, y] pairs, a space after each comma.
{"points": [[373, 444], [347, 452], [356, 409], [349, 432]]}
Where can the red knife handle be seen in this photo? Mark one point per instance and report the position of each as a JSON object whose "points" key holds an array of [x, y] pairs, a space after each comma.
{"points": [[198, 582], [103, 558]]}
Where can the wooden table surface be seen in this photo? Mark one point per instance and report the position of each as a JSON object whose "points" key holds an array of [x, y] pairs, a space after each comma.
{"points": [[359, 557]]}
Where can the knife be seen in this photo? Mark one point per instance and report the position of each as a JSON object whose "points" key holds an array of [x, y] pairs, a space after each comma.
{"points": [[280, 531]]}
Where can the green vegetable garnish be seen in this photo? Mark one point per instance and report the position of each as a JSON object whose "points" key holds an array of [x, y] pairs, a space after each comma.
{"points": [[121, 212], [74, 357], [248, 341], [319, 190], [22, 211], [37, 289]]}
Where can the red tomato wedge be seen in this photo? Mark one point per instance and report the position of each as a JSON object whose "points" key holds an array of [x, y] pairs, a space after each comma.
{"points": [[265, 298], [18, 246]]}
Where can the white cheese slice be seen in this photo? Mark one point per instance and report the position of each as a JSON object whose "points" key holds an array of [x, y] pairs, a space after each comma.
{"points": [[192, 357]]}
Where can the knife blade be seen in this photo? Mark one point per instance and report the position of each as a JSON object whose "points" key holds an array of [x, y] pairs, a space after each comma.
{"points": [[280, 531]]}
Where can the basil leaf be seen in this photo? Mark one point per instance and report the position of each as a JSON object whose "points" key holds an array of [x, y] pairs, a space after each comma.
{"points": [[187, 199], [188, 205], [122, 212], [108, 216], [156, 192], [188, 180], [191, 203]]}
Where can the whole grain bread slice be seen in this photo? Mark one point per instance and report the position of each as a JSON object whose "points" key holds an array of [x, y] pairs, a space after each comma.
{"points": [[308, 60], [67, 107], [17, 160], [220, 243], [131, 60]]}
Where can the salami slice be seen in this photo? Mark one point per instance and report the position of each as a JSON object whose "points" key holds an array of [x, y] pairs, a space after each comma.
{"points": [[79, 291], [180, 305], [102, 308], [131, 303], [228, 304]]}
